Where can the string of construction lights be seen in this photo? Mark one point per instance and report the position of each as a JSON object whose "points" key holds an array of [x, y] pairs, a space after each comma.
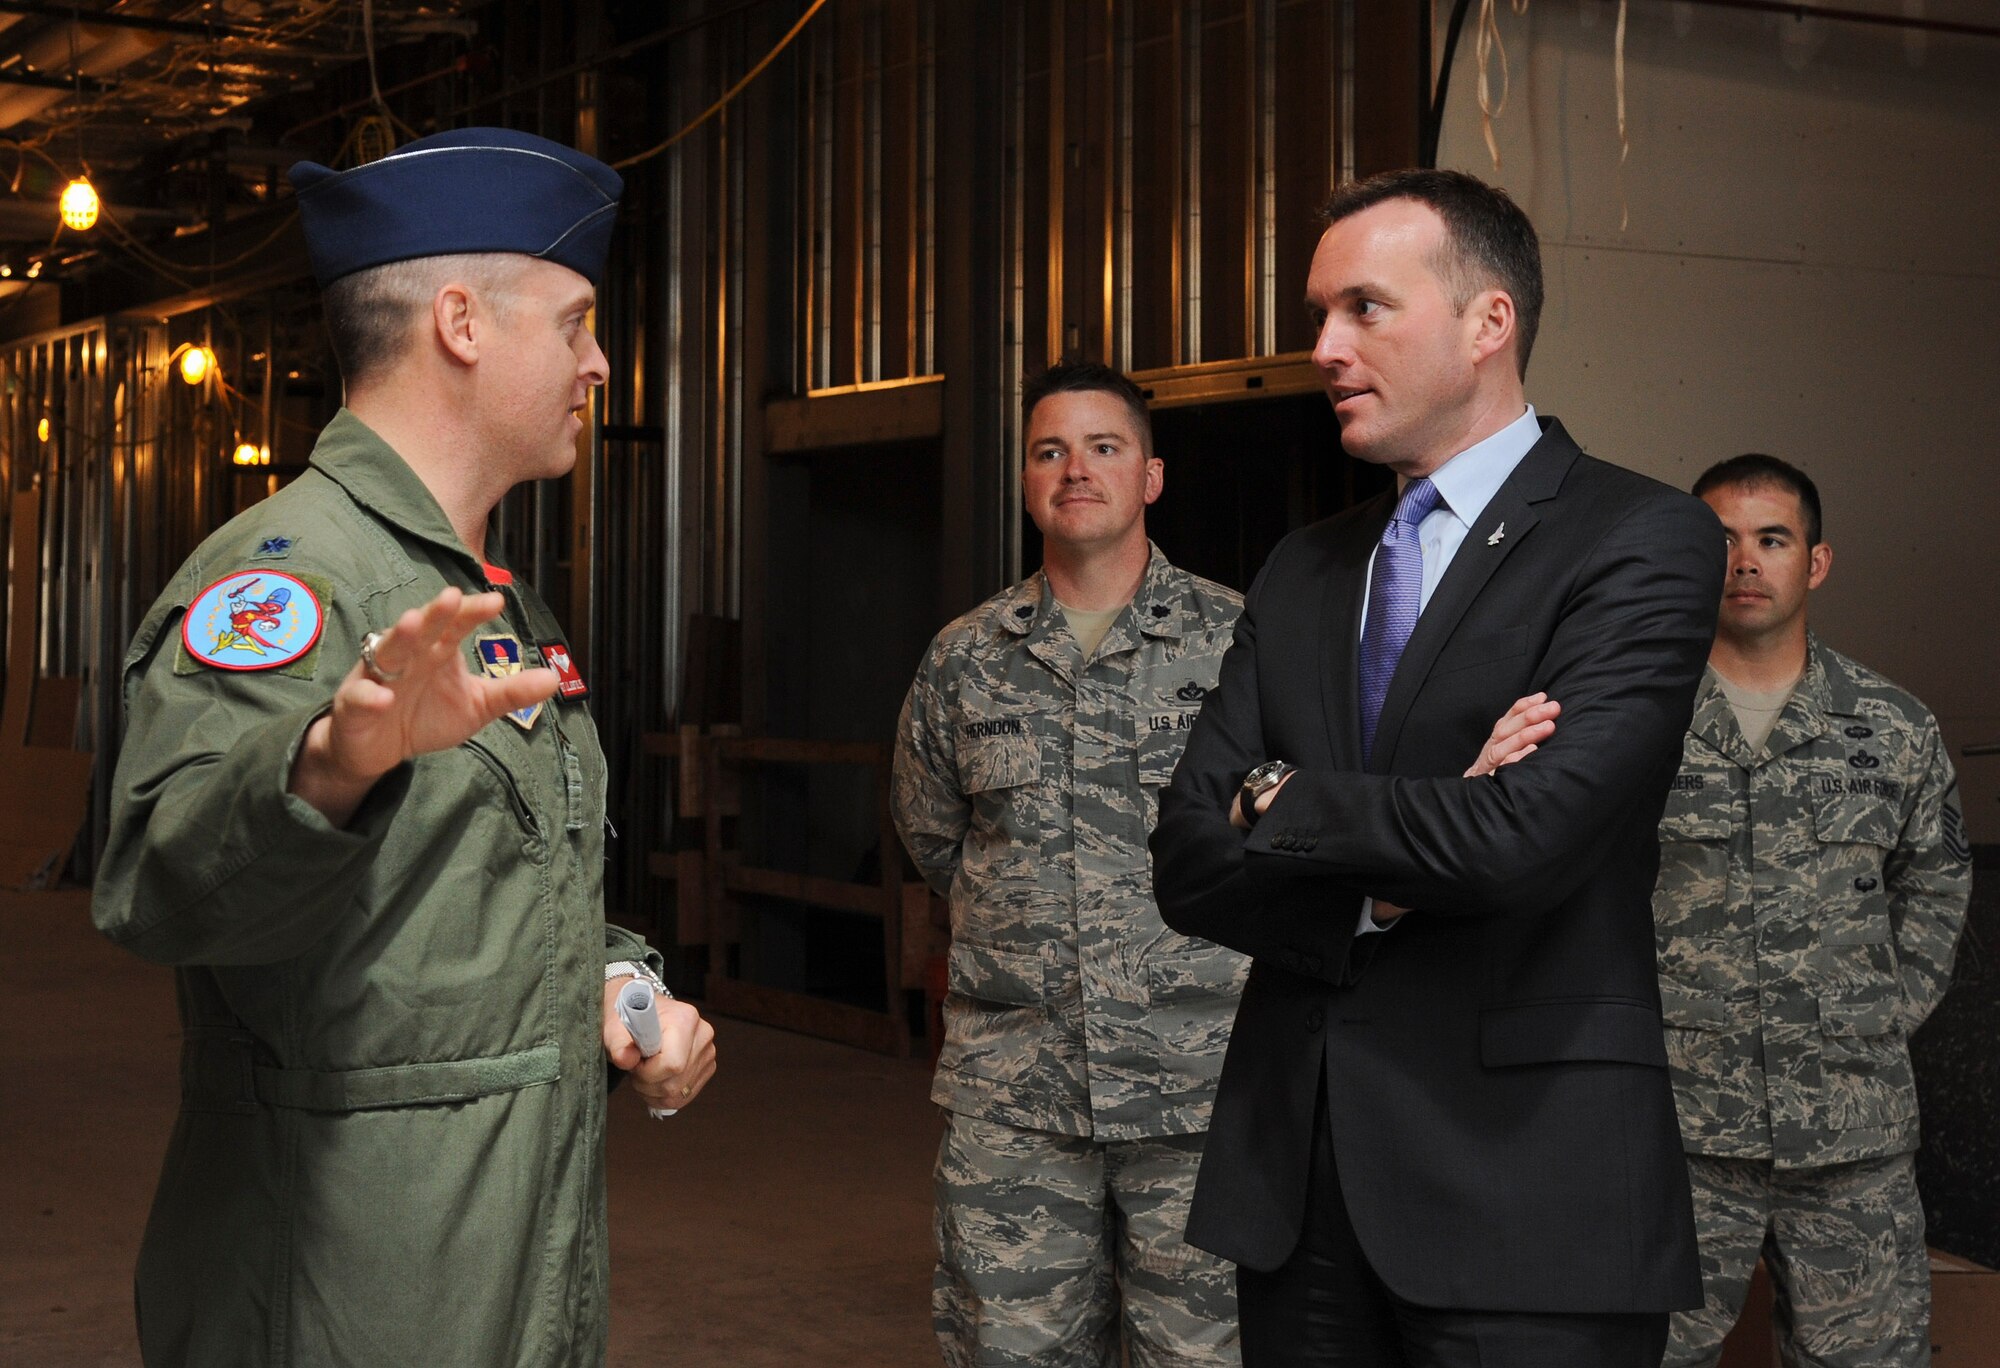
{"points": [[193, 83]]}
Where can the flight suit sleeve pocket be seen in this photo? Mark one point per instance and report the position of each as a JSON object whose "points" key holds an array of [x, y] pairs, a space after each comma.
{"points": [[1198, 972], [988, 763], [1574, 1031], [1014, 978]]}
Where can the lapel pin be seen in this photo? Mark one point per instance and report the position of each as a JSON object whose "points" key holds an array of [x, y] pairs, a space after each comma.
{"points": [[1498, 533]]}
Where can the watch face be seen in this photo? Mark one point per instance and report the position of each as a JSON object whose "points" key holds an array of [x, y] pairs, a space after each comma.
{"points": [[1264, 775]]}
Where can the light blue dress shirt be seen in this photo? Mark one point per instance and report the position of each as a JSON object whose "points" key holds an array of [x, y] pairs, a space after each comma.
{"points": [[1465, 484]]}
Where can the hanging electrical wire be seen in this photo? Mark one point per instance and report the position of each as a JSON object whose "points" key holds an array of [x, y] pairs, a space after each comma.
{"points": [[727, 95]]}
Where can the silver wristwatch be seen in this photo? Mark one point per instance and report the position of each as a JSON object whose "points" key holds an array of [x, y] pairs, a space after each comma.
{"points": [[637, 970], [1261, 781]]}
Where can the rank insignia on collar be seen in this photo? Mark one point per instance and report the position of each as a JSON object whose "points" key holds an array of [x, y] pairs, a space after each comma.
{"points": [[500, 656], [253, 620], [555, 654], [274, 548]]}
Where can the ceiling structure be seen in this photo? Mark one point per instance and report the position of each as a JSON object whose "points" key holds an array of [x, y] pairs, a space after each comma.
{"points": [[184, 116]]}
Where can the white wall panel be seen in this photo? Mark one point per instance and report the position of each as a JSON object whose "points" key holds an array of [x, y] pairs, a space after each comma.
{"points": [[1808, 269]]}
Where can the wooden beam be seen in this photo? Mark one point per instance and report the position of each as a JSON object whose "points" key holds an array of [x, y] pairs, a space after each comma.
{"points": [[1218, 382], [866, 899], [856, 415], [778, 750]]}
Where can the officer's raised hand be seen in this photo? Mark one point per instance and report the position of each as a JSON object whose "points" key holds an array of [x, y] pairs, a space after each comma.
{"points": [[410, 694]]}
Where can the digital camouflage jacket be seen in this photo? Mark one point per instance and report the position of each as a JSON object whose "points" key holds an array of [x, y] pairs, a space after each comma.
{"points": [[1026, 782], [1809, 902]]}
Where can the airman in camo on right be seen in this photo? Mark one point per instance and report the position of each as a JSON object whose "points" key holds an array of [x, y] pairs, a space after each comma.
{"points": [[1814, 874]]}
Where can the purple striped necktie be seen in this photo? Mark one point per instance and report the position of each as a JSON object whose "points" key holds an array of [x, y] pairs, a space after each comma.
{"points": [[1395, 597]]}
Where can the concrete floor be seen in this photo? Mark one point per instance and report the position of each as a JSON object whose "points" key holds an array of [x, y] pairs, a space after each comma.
{"points": [[784, 1219]]}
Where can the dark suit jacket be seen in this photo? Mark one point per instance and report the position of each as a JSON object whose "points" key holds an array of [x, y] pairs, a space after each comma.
{"points": [[1495, 1074]]}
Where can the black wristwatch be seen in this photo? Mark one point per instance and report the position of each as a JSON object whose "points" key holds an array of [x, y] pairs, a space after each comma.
{"points": [[1259, 782]]}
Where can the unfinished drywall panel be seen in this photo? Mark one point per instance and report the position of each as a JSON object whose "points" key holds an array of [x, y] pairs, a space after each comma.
{"points": [[1795, 257]]}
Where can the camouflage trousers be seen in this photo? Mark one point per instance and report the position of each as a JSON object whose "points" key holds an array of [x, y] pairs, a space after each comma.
{"points": [[1054, 1248], [1850, 1278]]}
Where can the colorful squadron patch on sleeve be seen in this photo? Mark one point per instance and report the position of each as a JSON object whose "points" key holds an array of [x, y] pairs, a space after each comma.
{"points": [[253, 620], [500, 656]]}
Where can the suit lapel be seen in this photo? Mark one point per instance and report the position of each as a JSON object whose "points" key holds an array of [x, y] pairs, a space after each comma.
{"points": [[1509, 516], [1340, 642]]}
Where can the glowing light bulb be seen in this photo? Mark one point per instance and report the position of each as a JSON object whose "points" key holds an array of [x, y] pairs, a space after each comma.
{"points": [[196, 363], [6, 271], [79, 205], [246, 454], [42, 430], [34, 269]]}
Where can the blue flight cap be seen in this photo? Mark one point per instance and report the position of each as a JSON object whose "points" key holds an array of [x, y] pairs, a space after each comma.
{"points": [[469, 190]]}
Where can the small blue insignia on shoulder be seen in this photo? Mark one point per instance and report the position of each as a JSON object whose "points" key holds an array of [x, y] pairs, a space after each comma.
{"points": [[274, 548]]}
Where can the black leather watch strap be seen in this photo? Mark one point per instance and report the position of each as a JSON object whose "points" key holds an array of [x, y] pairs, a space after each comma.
{"points": [[1257, 783]]}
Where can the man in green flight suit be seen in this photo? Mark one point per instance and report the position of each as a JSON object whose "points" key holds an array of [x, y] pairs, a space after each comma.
{"points": [[360, 807]]}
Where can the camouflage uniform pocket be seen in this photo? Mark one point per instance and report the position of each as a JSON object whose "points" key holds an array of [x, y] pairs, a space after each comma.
{"points": [[1843, 818], [1200, 971], [998, 762], [1159, 752], [1854, 835], [1706, 1046], [1865, 1059], [1012, 977], [1693, 896]]}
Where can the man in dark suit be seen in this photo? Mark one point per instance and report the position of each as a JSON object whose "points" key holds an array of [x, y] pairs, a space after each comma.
{"points": [[1445, 1136]]}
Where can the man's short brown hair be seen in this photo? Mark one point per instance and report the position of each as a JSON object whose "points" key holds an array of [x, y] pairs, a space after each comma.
{"points": [[1082, 377]]}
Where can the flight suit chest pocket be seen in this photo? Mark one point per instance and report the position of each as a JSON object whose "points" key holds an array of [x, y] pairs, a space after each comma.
{"points": [[533, 842]]}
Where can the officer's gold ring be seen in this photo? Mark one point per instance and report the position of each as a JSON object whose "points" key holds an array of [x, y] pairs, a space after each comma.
{"points": [[368, 663]]}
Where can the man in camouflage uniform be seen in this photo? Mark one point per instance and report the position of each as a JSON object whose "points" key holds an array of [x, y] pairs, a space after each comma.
{"points": [[1083, 1039], [1814, 873]]}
